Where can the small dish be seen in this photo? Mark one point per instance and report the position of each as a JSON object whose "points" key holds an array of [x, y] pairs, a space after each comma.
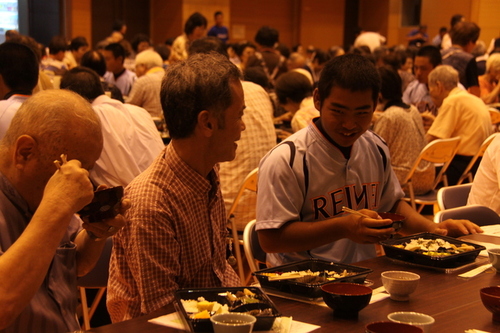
{"points": [[400, 284], [233, 323], [391, 327], [490, 296], [413, 318]]}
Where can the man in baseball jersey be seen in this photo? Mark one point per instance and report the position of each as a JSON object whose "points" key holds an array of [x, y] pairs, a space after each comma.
{"points": [[334, 162]]}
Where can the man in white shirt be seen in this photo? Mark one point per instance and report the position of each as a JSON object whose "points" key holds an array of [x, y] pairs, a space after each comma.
{"points": [[131, 140]]}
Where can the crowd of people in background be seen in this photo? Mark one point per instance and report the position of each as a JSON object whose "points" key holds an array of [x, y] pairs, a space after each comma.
{"points": [[431, 88]]}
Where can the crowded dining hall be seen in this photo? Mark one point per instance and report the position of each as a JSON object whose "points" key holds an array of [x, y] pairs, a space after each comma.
{"points": [[217, 166]]}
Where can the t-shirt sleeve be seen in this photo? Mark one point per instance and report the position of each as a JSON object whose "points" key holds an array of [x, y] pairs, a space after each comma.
{"points": [[280, 194]]}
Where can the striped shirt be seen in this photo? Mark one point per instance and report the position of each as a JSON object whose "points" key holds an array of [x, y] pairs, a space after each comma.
{"points": [[174, 238], [53, 307]]}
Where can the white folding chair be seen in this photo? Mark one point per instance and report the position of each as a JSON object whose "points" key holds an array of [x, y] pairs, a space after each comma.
{"points": [[249, 184], [253, 252], [453, 196], [440, 151], [480, 215]]}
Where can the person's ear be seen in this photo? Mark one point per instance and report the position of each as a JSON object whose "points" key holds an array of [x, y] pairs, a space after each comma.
{"points": [[316, 99], [25, 150], [206, 123]]}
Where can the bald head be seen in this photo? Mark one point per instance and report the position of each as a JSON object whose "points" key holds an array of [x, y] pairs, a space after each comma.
{"points": [[53, 116], [48, 124]]}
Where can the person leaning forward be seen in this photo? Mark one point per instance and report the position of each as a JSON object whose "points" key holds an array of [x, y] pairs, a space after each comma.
{"points": [[334, 162], [175, 235], [42, 245]]}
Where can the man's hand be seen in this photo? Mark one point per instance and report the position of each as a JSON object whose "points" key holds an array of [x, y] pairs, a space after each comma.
{"points": [[456, 228], [362, 228], [69, 189], [108, 227]]}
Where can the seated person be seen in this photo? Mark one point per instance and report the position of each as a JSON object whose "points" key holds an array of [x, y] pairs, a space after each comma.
{"points": [[43, 247], [485, 189], [460, 114], [398, 118], [305, 181], [488, 83], [176, 232], [294, 92]]}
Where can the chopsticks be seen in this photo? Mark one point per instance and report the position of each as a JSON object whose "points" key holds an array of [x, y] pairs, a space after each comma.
{"points": [[285, 277], [352, 211]]}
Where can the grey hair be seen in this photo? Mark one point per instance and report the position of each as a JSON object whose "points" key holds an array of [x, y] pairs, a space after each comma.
{"points": [[149, 58], [493, 62], [50, 116], [202, 82], [445, 74]]}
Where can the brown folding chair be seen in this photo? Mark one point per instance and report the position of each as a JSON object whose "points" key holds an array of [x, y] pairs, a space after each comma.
{"points": [[440, 151], [467, 174], [495, 118], [249, 184]]}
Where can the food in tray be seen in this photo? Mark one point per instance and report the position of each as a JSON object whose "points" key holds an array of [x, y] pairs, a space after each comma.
{"points": [[200, 308], [434, 247], [308, 276]]}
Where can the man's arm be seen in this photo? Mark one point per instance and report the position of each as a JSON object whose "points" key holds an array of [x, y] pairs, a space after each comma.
{"points": [[301, 236], [416, 223], [24, 265]]}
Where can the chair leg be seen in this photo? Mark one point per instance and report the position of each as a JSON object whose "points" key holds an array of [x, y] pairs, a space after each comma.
{"points": [[85, 309], [237, 251], [95, 302]]}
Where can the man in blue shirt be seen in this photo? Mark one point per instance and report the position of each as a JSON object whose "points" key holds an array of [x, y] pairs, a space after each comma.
{"points": [[218, 30]]}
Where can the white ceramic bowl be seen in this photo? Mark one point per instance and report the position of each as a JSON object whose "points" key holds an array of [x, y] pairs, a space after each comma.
{"points": [[413, 318], [233, 322], [494, 255], [400, 284]]}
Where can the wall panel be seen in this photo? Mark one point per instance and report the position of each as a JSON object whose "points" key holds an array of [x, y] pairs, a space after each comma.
{"points": [[322, 23]]}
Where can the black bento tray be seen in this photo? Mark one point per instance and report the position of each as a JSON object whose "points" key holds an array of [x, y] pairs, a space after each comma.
{"points": [[263, 323], [309, 290], [451, 261]]}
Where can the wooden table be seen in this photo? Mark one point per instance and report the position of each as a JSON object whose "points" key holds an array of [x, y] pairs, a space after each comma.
{"points": [[454, 303]]}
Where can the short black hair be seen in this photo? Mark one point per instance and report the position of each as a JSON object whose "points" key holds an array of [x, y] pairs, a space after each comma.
{"points": [[78, 42], [195, 20], [95, 61], [257, 75], [443, 29], [432, 53], [464, 32], [118, 25], [321, 56], [117, 49], [18, 66], [350, 71], [455, 19], [267, 36], [240, 47], [294, 86], [139, 38], [57, 44], [202, 82], [207, 44], [84, 81], [391, 84], [217, 13]]}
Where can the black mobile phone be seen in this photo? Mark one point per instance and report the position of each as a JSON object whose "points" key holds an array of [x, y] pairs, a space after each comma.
{"points": [[105, 205]]}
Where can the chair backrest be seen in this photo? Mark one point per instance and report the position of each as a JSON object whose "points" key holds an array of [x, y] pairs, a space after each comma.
{"points": [[250, 184], [467, 174], [453, 196], [251, 245], [438, 151], [98, 276], [480, 215]]}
